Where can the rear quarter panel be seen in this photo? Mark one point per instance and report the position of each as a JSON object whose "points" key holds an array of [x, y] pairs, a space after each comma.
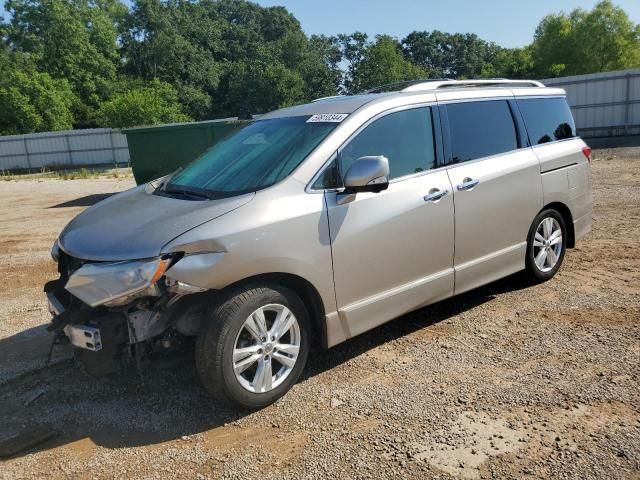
{"points": [[566, 178]]}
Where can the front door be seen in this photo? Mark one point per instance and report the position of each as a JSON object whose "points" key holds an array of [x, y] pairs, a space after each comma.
{"points": [[393, 250]]}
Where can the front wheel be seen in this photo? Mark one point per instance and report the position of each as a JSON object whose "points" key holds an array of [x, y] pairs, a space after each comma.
{"points": [[254, 346], [546, 245]]}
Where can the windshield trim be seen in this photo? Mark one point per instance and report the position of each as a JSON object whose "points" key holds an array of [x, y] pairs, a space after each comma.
{"points": [[208, 194]]}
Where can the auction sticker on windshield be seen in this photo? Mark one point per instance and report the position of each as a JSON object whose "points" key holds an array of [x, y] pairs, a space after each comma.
{"points": [[328, 117]]}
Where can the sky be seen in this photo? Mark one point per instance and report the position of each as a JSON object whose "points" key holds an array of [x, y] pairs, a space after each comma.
{"points": [[509, 23]]}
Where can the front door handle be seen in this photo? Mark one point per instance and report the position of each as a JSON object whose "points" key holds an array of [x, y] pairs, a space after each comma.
{"points": [[435, 194], [468, 183]]}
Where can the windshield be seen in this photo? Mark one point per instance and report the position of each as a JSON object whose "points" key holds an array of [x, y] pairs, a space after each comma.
{"points": [[259, 155]]}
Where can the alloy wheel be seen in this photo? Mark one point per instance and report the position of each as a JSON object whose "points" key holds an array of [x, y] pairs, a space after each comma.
{"points": [[547, 244], [266, 348]]}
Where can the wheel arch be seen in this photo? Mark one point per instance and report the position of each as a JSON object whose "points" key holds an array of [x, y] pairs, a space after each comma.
{"points": [[563, 210], [301, 287]]}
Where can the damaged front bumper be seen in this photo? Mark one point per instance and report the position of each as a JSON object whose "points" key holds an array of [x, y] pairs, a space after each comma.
{"points": [[108, 330], [81, 336], [84, 336], [99, 337]]}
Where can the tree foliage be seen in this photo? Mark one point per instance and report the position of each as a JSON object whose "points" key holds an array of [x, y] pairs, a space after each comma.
{"points": [[351, 48], [599, 40], [32, 101], [257, 87], [83, 63], [213, 49], [512, 63], [73, 40], [446, 55], [383, 63], [138, 103]]}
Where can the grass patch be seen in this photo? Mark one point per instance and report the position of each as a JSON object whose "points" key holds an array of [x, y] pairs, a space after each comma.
{"points": [[82, 173]]}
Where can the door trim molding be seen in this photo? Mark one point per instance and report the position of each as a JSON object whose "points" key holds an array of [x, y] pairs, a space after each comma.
{"points": [[490, 256], [559, 168], [378, 297]]}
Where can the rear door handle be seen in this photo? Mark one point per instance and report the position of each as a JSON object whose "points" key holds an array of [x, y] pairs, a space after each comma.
{"points": [[435, 194], [468, 183]]}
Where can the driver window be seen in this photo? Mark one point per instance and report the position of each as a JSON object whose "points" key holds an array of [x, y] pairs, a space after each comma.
{"points": [[405, 138]]}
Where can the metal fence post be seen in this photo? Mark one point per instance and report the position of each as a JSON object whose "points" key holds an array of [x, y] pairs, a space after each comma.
{"points": [[66, 137], [627, 104], [26, 151], [113, 150]]}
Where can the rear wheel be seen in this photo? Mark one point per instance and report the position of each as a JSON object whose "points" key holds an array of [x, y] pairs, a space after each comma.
{"points": [[254, 346], [546, 245]]}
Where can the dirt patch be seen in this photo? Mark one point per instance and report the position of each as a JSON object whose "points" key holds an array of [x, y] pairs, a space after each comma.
{"points": [[283, 445], [481, 437], [19, 277], [508, 381]]}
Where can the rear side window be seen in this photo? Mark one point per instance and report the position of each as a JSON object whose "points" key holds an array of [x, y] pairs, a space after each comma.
{"points": [[480, 129], [547, 119], [405, 138]]}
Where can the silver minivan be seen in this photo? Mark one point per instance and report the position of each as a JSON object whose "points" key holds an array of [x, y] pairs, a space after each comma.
{"points": [[318, 222]]}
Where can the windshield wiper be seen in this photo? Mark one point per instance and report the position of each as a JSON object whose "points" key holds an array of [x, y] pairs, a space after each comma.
{"points": [[185, 192]]}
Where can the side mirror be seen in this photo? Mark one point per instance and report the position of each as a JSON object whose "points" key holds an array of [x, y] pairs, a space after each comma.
{"points": [[367, 174]]}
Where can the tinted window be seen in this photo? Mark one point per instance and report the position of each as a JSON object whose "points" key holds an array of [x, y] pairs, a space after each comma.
{"points": [[547, 119], [405, 138], [480, 129], [329, 178], [259, 155]]}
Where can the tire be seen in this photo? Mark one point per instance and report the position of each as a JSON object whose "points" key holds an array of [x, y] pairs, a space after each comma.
{"points": [[229, 333], [540, 271]]}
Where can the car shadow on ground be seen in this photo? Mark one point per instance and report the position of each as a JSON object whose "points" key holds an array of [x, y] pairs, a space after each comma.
{"points": [[165, 401], [86, 201]]}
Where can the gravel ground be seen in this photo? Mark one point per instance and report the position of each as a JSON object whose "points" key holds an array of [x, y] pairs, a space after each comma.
{"points": [[508, 381]]}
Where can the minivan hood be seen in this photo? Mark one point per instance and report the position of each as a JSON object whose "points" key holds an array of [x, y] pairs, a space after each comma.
{"points": [[136, 224]]}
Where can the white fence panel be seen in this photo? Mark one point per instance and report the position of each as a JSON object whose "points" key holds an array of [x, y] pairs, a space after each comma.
{"points": [[98, 146], [604, 104]]}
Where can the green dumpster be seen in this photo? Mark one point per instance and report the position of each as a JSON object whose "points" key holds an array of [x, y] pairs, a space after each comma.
{"points": [[157, 151]]}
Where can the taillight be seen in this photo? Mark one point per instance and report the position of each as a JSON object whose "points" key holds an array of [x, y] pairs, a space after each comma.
{"points": [[587, 153]]}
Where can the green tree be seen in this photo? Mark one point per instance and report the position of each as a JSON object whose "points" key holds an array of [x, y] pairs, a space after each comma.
{"points": [[176, 42], [73, 40], [136, 104], [599, 40], [511, 63], [312, 59], [200, 46], [32, 101], [257, 87], [352, 48], [382, 63], [446, 55], [320, 69]]}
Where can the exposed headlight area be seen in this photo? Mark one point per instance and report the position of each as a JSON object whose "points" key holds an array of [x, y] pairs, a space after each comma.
{"points": [[114, 284]]}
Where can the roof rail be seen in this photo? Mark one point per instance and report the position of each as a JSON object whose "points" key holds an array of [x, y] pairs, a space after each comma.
{"points": [[400, 86], [325, 98], [489, 82]]}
